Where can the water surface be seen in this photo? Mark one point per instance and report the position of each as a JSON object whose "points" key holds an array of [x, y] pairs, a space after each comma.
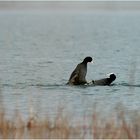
{"points": [[40, 49]]}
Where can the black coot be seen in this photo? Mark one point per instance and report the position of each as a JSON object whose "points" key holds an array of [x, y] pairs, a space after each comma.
{"points": [[78, 76], [105, 81]]}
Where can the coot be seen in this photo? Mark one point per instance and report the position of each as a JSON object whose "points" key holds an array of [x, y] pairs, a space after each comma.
{"points": [[78, 76], [105, 81]]}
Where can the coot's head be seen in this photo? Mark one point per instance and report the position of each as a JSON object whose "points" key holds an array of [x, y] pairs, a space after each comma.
{"points": [[87, 59], [112, 76]]}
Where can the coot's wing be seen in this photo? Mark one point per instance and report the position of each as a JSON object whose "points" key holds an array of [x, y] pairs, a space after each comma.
{"points": [[73, 78], [102, 82], [74, 74]]}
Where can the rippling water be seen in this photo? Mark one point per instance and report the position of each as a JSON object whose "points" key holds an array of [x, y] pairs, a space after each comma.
{"points": [[39, 50]]}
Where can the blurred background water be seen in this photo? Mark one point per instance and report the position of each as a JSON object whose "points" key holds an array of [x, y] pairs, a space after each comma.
{"points": [[40, 49]]}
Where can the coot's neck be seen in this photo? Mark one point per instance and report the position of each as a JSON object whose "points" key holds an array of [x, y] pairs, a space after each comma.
{"points": [[84, 62], [109, 79]]}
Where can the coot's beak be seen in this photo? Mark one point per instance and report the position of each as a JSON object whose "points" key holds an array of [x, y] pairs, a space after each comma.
{"points": [[92, 62], [108, 75]]}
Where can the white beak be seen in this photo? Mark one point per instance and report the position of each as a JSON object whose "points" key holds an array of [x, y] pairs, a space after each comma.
{"points": [[108, 75]]}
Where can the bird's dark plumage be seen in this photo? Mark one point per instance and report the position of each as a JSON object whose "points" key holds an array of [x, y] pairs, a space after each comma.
{"points": [[78, 76], [105, 81]]}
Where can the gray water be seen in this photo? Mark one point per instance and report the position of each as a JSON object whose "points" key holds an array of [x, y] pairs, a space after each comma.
{"points": [[40, 49]]}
